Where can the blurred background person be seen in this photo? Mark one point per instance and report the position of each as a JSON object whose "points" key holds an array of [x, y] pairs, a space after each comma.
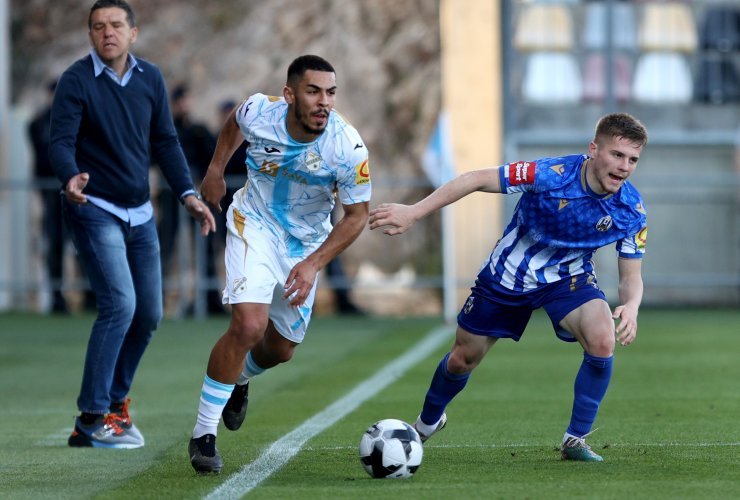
{"points": [[198, 144], [46, 181]]}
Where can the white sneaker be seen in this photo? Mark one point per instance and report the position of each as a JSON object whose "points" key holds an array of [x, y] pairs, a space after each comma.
{"points": [[421, 427]]}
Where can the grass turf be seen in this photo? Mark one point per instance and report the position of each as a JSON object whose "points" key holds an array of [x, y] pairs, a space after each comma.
{"points": [[668, 426]]}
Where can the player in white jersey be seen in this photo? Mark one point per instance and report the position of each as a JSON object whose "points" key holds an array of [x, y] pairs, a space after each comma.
{"points": [[301, 156], [570, 207]]}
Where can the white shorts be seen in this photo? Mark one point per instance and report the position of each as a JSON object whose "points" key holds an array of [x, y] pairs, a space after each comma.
{"points": [[257, 267]]}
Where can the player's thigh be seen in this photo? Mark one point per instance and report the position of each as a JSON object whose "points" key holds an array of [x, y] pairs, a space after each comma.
{"points": [[249, 322], [592, 325], [291, 322], [252, 269]]}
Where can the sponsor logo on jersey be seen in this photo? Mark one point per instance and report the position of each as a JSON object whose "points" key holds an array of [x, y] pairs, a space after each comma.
{"points": [[313, 161], [269, 168], [563, 204], [362, 173], [558, 169], [294, 176], [271, 149], [521, 172], [604, 224], [641, 239]]}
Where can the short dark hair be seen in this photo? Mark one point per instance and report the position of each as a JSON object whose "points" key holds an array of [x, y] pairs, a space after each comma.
{"points": [[621, 125], [180, 91], [301, 64], [121, 4]]}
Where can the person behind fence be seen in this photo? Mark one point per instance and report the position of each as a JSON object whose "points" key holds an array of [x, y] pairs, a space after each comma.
{"points": [[570, 206], [52, 225], [110, 118], [198, 145], [299, 153]]}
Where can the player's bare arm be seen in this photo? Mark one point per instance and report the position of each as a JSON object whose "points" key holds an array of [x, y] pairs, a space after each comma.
{"points": [[213, 187], [402, 217], [345, 231], [630, 297]]}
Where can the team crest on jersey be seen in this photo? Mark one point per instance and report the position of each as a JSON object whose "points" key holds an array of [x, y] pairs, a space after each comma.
{"points": [[468, 305], [521, 172], [641, 239], [604, 224], [362, 173], [313, 161]]}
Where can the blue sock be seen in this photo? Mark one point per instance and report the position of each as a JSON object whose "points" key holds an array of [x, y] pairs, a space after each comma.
{"points": [[590, 387], [443, 388]]}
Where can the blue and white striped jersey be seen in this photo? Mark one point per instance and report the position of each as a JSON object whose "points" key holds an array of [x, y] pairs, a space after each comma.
{"points": [[560, 222], [292, 185]]}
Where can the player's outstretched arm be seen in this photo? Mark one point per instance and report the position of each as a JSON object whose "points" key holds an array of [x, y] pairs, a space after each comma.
{"points": [[630, 297], [402, 217]]}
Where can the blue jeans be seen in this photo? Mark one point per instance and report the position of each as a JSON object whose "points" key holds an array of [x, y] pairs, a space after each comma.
{"points": [[122, 264]]}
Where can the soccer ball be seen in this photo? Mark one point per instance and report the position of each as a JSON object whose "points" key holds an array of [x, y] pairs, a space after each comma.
{"points": [[391, 448]]}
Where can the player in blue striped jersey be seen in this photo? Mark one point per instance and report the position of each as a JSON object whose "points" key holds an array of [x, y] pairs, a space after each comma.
{"points": [[570, 206]]}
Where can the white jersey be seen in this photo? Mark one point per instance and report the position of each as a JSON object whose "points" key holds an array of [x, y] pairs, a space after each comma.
{"points": [[291, 185]]}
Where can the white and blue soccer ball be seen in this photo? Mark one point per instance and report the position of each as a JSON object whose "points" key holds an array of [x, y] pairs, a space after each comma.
{"points": [[391, 448]]}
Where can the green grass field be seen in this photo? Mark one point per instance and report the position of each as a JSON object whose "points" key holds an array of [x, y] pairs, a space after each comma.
{"points": [[669, 427]]}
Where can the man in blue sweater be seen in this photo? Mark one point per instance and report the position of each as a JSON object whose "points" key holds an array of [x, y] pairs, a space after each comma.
{"points": [[110, 120]]}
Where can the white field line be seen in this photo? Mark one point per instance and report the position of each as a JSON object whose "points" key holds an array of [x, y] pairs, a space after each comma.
{"points": [[285, 448], [542, 445]]}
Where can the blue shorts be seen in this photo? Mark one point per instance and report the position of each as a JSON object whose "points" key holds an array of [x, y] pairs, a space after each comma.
{"points": [[495, 311]]}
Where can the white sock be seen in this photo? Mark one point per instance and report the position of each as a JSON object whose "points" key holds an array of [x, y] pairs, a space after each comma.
{"points": [[213, 397], [251, 369], [567, 436], [425, 428]]}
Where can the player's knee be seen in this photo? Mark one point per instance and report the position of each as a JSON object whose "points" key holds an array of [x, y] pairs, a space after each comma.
{"points": [[283, 354], [601, 343], [461, 362], [247, 330]]}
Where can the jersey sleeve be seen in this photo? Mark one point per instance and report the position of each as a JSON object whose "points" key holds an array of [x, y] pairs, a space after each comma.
{"points": [[633, 247], [247, 111], [518, 176], [353, 179]]}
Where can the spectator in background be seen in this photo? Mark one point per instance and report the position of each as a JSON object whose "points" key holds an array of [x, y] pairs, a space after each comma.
{"points": [[198, 145], [340, 286], [737, 164], [110, 118], [52, 226]]}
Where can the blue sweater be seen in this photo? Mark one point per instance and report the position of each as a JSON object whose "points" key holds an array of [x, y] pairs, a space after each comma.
{"points": [[115, 133]]}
